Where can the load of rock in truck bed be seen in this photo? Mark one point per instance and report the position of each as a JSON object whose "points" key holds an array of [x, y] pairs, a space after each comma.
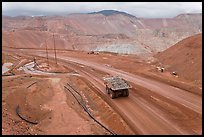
{"points": [[116, 86]]}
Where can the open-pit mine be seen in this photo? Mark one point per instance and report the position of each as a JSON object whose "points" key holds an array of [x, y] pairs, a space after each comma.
{"points": [[55, 71]]}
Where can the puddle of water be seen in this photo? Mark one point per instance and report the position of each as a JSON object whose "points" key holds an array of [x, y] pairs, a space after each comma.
{"points": [[75, 74], [5, 67], [29, 68]]}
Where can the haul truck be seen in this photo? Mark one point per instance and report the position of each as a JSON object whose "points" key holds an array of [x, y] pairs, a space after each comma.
{"points": [[116, 86]]}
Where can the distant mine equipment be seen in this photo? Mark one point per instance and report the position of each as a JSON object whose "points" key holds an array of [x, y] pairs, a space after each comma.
{"points": [[116, 86], [93, 52], [174, 73], [160, 69]]}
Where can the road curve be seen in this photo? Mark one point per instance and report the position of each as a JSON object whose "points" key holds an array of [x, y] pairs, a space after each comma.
{"points": [[183, 97], [144, 118], [141, 118]]}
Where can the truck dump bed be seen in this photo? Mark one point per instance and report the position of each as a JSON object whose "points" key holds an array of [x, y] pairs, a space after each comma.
{"points": [[116, 83]]}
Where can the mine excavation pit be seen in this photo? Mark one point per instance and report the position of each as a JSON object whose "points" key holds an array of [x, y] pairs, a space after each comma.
{"points": [[106, 72], [100, 114]]}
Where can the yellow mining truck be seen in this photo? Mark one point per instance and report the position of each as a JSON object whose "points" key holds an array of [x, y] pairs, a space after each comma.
{"points": [[116, 86]]}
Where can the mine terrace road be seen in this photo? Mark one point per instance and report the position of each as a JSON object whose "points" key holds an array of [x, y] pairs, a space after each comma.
{"points": [[148, 120], [142, 116], [183, 97]]}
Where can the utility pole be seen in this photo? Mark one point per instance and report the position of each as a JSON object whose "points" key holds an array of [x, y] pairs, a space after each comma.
{"points": [[47, 52], [55, 49]]}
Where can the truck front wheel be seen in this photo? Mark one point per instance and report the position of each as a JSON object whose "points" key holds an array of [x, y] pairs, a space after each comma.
{"points": [[112, 94], [107, 89], [127, 93]]}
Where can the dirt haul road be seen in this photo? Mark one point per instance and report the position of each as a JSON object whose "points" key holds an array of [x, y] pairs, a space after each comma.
{"points": [[141, 113], [143, 117]]}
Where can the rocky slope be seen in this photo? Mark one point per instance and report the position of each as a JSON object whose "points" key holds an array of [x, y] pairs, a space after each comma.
{"points": [[98, 31], [185, 58]]}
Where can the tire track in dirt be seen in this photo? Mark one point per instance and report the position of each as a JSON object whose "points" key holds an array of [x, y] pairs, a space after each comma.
{"points": [[187, 99], [178, 130], [136, 114]]}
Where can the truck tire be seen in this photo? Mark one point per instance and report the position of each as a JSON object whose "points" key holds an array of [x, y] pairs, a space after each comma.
{"points": [[107, 89], [112, 94], [124, 93], [127, 93]]}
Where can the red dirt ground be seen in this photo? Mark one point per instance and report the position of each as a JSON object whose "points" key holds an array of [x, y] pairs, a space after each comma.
{"points": [[56, 110], [158, 102], [50, 104]]}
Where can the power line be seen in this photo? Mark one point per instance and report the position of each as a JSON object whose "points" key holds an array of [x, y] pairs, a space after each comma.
{"points": [[47, 52], [55, 49]]}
